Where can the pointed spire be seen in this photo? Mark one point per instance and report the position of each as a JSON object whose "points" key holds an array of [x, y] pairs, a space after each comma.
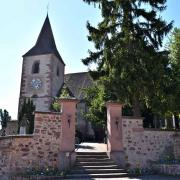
{"points": [[45, 43]]}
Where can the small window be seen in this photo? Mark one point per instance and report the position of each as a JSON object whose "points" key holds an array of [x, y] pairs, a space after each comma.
{"points": [[35, 68], [57, 72]]}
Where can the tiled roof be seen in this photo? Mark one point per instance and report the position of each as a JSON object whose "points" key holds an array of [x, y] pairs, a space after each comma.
{"points": [[76, 82], [45, 43]]}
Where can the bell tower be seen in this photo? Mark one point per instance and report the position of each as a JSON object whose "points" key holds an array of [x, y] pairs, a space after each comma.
{"points": [[42, 70]]}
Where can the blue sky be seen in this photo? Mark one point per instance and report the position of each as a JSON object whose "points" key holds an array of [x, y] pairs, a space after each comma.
{"points": [[20, 24]]}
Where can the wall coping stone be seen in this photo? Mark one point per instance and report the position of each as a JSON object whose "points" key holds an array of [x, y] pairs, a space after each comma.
{"points": [[163, 130], [114, 103], [132, 117], [48, 112], [68, 100], [16, 136]]}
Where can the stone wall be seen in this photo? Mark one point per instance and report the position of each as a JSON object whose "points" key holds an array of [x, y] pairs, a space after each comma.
{"points": [[12, 127], [38, 150], [143, 146], [132, 146]]}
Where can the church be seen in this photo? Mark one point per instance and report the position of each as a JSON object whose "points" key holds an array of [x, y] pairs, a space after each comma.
{"points": [[43, 77]]}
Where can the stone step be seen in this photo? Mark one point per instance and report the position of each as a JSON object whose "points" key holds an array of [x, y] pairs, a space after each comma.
{"points": [[97, 166], [94, 163], [102, 175], [97, 171], [91, 156], [92, 159], [91, 153]]}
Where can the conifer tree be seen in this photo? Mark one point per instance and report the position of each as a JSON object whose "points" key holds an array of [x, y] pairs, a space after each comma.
{"points": [[27, 113], [4, 118], [127, 42]]}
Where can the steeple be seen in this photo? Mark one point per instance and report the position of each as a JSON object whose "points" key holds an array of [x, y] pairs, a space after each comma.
{"points": [[45, 43]]}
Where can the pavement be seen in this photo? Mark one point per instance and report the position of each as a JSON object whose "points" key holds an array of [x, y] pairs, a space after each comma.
{"points": [[150, 177], [91, 147]]}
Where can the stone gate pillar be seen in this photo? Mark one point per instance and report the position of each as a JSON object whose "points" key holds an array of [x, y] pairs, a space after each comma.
{"points": [[114, 132], [68, 121]]}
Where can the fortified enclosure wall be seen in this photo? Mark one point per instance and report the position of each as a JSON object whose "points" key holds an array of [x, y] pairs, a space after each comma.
{"points": [[142, 146], [39, 150], [132, 146], [51, 145]]}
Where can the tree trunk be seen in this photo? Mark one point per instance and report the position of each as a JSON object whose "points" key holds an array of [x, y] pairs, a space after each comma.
{"points": [[136, 107]]}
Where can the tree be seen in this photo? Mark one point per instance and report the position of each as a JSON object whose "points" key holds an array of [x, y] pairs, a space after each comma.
{"points": [[27, 114], [173, 90], [95, 99], [4, 118], [127, 42]]}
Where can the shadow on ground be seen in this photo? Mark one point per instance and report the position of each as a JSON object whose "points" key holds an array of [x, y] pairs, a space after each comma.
{"points": [[81, 146]]}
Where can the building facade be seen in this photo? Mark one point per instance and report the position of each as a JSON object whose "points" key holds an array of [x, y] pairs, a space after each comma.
{"points": [[43, 76]]}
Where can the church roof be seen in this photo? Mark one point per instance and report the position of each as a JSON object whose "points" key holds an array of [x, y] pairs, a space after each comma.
{"points": [[76, 82], [45, 43]]}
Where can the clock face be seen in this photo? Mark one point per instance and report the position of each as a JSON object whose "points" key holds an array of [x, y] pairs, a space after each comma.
{"points": [[36, 83]]}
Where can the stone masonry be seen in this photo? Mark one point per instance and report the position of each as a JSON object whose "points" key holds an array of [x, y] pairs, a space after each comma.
{"points": [[142, 146], [130, 145], [51, 145]]}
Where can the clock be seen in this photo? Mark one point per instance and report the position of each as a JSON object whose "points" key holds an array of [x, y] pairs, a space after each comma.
{"points": [[36, 83]]}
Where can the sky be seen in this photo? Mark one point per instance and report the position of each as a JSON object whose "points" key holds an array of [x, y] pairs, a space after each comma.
{"points": [[20, 24]]}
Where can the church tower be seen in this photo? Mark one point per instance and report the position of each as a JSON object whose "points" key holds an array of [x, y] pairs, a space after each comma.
{"points": [[42, 71]]}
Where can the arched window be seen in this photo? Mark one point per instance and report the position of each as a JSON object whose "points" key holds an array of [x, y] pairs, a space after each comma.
{"points": [[35, 68], [57, 71]]}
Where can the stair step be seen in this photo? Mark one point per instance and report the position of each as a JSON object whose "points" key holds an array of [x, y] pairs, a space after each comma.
{"points": [[91, 156], [97, 166], [105, 175], [97, 171], [92, 159], [91, 153], [94, 163]]}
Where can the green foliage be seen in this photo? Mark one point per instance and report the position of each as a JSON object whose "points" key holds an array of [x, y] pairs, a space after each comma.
{"points": [[27, 114], [63, 93], [95, 100], [42, 173], [173, 89], [56, 106], [4, 117], [129, 63]]}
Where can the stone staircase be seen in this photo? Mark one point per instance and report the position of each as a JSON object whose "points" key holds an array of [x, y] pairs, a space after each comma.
{"points": [[95, 165]]}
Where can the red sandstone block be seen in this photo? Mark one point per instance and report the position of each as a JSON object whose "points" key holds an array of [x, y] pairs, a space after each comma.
{"points": [[25, 149], [36, 131], [25, 154], [138, 129], [47, 143], [43, 131], [38, 119]]}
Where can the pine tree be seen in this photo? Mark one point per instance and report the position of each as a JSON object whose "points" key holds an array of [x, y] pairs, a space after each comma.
{"points": [[127, 42], [4, 118]]}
